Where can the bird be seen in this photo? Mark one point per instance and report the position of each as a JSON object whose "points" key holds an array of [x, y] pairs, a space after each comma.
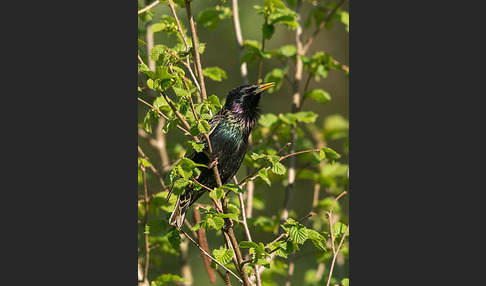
{"points": [[229, 130]]}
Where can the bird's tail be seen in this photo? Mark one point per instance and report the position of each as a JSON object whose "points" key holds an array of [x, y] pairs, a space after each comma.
{"points": [[179, 214]]}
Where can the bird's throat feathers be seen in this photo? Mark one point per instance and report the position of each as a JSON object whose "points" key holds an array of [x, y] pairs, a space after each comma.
{"points": [[247, 117]]}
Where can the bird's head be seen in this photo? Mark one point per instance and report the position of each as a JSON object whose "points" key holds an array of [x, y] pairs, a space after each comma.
{"points": [[245, 100]]}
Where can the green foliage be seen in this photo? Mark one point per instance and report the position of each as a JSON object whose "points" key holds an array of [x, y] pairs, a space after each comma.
{"points": [[321, 140]]}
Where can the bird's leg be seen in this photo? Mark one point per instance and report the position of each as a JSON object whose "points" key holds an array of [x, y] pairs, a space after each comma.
{"points": [[213, 163]]}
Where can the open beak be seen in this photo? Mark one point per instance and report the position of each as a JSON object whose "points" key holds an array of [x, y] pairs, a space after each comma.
{"points": [[262, 87]]}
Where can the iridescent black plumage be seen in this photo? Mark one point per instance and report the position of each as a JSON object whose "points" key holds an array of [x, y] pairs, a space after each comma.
{"points": [[229, 131]]}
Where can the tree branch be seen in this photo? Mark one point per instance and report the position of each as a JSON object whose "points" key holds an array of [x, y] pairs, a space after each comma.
{"points": [[148, 7], [197, 58], [210, 257]]}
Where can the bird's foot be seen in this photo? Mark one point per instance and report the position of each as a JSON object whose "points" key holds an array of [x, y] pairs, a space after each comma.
{"points": [[213, 163], [227, 223]]}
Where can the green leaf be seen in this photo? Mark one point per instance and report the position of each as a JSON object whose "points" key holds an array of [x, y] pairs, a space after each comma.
{"points": [[223, 255], [248, 244], [338, 229], [180, 185], [214, 73], [156, 226], [141, 42], [215, 222], [211, 17], [174, 238], [344, 282], [156, 51], [305, 116], [203, 126], [264, 176], [319, 95], [345, 19], [184, 93], [278, 168], [197, 146], [216, 194], [268, 119], [268, 30], [318, 240], [298, 234], [328, 153], [256, 156], [276, 75]]}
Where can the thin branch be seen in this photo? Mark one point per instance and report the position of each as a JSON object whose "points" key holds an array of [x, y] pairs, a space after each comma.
{"points": [[148, 7], [321, 26], [208, 255], [335, 255], [239, 41], [186, 63], [161, 114], [331, 224], [197, 58], [146, 201], [201, 237]]}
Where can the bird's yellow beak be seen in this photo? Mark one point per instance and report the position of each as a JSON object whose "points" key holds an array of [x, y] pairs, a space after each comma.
{"points": [[262, 87]]}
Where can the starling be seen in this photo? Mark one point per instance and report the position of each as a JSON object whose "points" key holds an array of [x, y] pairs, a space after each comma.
{"points": [[229, 131]]}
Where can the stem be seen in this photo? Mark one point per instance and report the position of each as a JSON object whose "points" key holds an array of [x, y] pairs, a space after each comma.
{"points": [[148, 7], [197, 58], [210, 257], [239, 40], [201, 237], [321, 26], [147, 248]]}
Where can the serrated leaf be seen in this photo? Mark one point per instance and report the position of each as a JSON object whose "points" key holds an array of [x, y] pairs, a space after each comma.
{"points": [[180, 185], [248, 244], [197, 146], [318, 240], [203, 126], [181, 92], [156, 51], [298, 233], [216, 194], [328, 153], [338, 229], [256, 156], [223, 255], [264, 176], [156, 226], [174, 238], [268, 119], [215, 222], [278, 168], [214, 73], [319, 95]]}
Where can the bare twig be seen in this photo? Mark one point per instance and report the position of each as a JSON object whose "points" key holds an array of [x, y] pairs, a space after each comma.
{"points": [[146, 202], [239, 40], [161, 114], [148, 7], [201, 237], [321, 26], [210, 257], [197, 58], [334, 250]]}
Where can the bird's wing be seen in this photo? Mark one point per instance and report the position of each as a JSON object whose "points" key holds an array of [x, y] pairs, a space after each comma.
{"points": [[200, 157]]}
